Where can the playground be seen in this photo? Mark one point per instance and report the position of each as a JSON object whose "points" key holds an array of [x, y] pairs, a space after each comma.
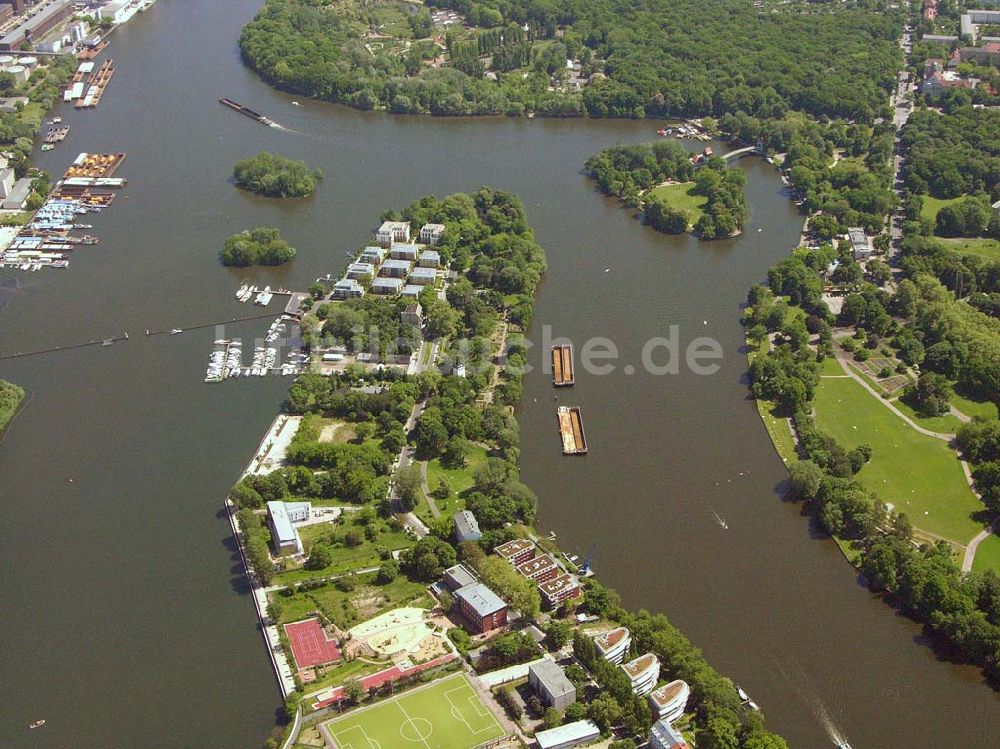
{"points": [[398, 632]]}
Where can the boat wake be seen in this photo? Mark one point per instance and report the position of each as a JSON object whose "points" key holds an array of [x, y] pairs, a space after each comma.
{"points": [[803, 686]]}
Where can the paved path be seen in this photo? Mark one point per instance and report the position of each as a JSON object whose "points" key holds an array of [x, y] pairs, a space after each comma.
{"points": [[970, 550], [945, 436], [427, 491]]}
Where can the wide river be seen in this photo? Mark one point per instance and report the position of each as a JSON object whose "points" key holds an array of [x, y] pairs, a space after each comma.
{"points": [[125, 617]]}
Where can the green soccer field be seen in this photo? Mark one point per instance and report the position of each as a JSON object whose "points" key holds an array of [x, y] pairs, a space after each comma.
{"points": [[448, 714]]}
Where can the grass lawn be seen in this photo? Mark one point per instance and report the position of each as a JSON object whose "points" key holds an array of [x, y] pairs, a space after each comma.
{"points": [[979, 246], [348, 608], [919, 475], [460, 479], [948, 424], [988, 555], [680, 196], [933, 205], [346, 558], [830, 367], [970, 407], [446, 713]]}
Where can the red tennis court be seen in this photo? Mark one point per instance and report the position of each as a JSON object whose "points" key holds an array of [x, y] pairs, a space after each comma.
{"points": [[310, 645]]}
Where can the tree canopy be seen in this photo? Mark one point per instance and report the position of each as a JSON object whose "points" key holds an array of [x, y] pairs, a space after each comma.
{"points": [[275, 176], [257, 246]]}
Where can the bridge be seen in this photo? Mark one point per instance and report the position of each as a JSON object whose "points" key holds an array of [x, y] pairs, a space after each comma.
{"points": [[739, 152]]}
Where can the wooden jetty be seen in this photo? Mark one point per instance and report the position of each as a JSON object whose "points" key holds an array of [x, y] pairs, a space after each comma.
{"points": [[574, 441], [562, 365]]}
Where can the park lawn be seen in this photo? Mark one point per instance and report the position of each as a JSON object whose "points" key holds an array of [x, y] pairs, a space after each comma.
{"points": [[460, 479], [978, 246], [336, 431], [446, 713], [348, 608], [971, 407], [933, 205], [346, 558], [987, 555], [919, 475], [680, 196], [830, 367], [947, 424]]}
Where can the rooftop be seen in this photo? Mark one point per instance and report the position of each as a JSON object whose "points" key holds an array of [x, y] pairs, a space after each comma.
{"points": [[465, 521], [666, 735], [282, 524], [609, 639], [552, 676], [637, 667], [482, 600], [513, 547], [556, 584], [537, 564], [669, 692], [461, 575], [581, 730]]}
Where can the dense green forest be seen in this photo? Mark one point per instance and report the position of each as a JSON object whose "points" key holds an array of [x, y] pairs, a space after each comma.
{"points": [[638, 58], [275, 176], [11, 396], [258, 246], [629, 172], [953, 154]]}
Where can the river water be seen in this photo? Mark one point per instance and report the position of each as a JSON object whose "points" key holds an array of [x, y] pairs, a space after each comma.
{"points": [[126, 622]]}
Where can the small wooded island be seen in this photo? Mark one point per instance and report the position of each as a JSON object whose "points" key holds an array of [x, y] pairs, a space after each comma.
{"points": [[11, 396], [276, 176], [258, 246], [677, 191]]}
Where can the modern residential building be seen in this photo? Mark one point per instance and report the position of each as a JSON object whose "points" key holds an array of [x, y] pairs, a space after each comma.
{"points": [[643, 673], [568, 736], [431, 233], [664, 736], [540, 568], [373, 255], [483, 609], [347, 288], [429, 259], [614, 644], [559, 589], [6, 181], [517, 551], [280, 516], [386, 286], [861, 246], [467, 527], [668, 702], [458, 577], [969, 21], [404, 252], [411, 291], [360, 270], [423, 276], [549, 682], [395, 268], [393, 231], [411, 315]]}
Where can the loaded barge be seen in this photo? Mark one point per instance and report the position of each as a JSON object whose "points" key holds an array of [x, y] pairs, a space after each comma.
{"points": [[574, 441], [246, 111], [562, 365]]}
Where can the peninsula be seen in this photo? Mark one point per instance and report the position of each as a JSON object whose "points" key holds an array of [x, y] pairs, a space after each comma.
{"points": [[390, 538]]}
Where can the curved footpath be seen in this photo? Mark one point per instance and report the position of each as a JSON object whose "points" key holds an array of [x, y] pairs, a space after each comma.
{"points": [[970, 549]]}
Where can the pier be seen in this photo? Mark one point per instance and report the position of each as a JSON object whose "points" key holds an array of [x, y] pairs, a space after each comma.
{"points": [[562, 366], [574, 441]]}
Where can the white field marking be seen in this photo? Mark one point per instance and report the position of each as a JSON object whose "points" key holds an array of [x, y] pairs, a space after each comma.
{"points": [[371, 743], [455, 711], [399, 704]]}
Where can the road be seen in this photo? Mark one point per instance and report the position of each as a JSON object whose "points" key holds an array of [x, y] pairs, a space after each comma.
{"points": [[901, 101]]}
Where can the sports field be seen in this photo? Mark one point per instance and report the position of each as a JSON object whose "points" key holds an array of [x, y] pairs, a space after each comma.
{"points": [[447, 714]]}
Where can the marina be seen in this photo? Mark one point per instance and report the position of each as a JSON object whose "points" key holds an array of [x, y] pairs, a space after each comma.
{"points": [[562, 365], [226, 360], [86, 187], [574, 441]]}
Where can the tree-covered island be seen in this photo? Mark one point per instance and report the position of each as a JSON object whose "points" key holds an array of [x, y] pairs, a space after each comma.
{"points": [[275, 176], [258, 246]]}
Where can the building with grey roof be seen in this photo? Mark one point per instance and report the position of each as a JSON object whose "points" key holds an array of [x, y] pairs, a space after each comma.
{"points": [[429, 259], [280, 516], [482, 608], [41, 18], [861, 247], [422, 276], [549, 682], [386, 285], [466, 526], [458, 577], [395, 268], [568, 736]]}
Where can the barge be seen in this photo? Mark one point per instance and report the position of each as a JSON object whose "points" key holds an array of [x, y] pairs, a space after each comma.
{"points": [[246, 111], [562, 365], [574, 441]]}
